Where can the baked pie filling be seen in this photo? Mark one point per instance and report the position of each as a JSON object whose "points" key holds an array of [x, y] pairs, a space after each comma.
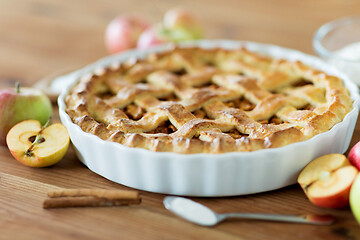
{"points": [[193, 100]]}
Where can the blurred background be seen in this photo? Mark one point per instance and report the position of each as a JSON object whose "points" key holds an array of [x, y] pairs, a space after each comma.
{"points": [[41, 37]]}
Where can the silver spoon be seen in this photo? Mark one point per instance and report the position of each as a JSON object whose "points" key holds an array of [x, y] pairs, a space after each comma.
{"points": [[199, 214]]}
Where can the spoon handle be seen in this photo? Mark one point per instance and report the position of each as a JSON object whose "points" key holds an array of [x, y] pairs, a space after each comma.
{"points": [[308, 219]]}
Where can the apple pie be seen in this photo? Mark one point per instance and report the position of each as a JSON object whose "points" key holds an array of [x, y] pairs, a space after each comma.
{"points": [[194, 100]]}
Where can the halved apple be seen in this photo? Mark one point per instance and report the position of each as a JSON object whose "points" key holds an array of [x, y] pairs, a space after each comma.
{"points": [[327, 180], [37, 146]]}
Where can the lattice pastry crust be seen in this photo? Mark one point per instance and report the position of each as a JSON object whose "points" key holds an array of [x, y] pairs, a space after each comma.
{"points": [[193, 100]]}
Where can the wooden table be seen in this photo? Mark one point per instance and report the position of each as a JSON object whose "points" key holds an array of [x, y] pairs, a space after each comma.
{"points": [[39, 38]]}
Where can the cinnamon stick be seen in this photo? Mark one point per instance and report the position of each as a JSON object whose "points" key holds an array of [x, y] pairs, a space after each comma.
{"points": [[62, 202], [101, 193], [90, 198]]}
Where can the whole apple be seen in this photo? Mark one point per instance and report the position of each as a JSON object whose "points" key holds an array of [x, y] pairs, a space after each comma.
{"points": [[354, 156], [183, 24], [123, 32], [355, 198], [153, 36], [18, 104], [178, 25]]}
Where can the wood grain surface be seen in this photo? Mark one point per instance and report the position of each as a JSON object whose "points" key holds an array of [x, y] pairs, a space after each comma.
{"points": [[40, 38]]}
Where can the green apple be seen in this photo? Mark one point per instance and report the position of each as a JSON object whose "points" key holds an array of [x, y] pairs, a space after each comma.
{"points": [[355, 198], [178, 25], [183, 24], [18, 104]]}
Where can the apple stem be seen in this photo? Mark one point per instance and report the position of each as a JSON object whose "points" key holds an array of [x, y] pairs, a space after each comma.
{"points": [[17, 87], [46, 124], [38, 137]]}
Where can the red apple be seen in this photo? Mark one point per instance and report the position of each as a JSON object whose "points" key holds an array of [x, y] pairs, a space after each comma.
{"points": [[183, 24], [327, 180], [178, 25], [37, 146], [354, 155], [153, 36], [18, 104], [123, 32]]}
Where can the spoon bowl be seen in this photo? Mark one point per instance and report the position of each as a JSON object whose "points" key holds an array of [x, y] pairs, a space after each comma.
{"points": [[199, 214]]}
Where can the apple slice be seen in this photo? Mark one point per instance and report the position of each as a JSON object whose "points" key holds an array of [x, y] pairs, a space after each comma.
{"points": [[36, 146], [327, 180]]}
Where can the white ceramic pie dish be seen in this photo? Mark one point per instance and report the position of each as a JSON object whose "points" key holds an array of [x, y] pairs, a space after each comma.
{"points": [[227, 174]]}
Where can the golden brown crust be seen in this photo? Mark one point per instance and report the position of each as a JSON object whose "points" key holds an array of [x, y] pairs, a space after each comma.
{"points": [[192, 100]]}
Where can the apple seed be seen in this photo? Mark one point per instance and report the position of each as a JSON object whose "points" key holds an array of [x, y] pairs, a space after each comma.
{"points": [[38, 139], [32, 139]]}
